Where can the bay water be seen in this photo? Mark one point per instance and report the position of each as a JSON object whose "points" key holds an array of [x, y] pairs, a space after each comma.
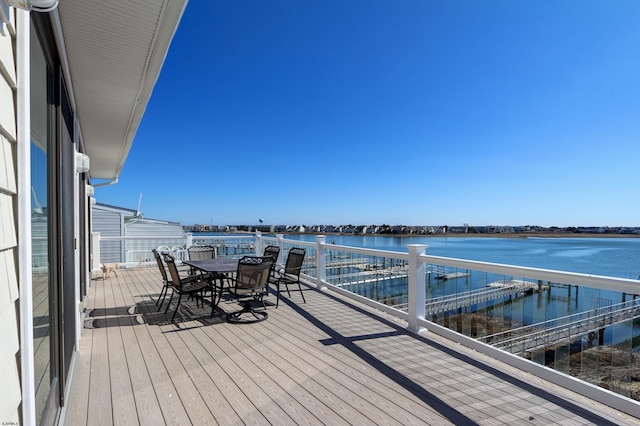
{"points": [[613, 257]]}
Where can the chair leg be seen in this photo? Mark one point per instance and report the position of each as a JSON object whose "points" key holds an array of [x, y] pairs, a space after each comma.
{"points": [[163, 295], [301, 293], [164, 289], [169, 304], [246, 309], [177, 306], [277, 294]]}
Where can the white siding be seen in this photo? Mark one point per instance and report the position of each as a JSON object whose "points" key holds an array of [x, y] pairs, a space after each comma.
{"points": [[7, 172], [147, 228], [10, 393], [109, 223], [7, 112]]}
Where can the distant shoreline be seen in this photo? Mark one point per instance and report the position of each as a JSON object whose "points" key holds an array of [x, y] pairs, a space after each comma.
{"points": [[454, 235]]}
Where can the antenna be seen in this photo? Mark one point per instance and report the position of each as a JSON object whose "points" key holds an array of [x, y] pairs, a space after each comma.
{"points": [[139, 203]]}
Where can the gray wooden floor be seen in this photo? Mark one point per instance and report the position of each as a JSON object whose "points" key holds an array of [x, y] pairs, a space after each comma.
{"points": [[324, 362]]}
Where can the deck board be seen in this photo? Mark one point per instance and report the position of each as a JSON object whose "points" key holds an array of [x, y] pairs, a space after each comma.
{"points": [[146, 401], [100, 403], [207, 374], [328, 361], [124, 406]]}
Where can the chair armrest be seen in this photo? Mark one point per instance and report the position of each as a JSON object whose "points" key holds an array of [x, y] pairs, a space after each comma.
{"points": [[189, 279]]}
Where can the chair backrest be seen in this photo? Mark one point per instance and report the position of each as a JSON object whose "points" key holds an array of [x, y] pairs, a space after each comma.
{"points": [[160, 265], [202, 252], [173, 270], [253, 273], [294, 261], [273, 251]]}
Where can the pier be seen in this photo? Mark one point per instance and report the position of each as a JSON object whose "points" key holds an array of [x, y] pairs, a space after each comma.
{"points": [[496, 290], [361, 272], [567, 329], [493, 291], [441, 273]]}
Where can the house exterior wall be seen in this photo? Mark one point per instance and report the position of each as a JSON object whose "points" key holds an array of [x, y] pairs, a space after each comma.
{"points": [[10, 390], [40, 133], [109, 222]]}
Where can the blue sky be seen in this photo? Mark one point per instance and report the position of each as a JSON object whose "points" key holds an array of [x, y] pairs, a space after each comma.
{"points": [[408, 112]]}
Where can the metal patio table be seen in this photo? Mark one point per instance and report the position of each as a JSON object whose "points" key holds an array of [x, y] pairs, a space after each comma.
{"points": [[217, 270]]}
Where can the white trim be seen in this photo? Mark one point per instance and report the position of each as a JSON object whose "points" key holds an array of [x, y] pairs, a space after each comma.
{"points": [[68, 391], [56, 25], [24, 215], [76, 256]]}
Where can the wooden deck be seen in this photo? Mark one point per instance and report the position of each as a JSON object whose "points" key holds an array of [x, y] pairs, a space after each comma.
{"points": [[328, 361]]}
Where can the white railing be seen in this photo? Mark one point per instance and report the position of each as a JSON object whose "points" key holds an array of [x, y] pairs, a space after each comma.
{"points": [[411, 285], [135, 251]]}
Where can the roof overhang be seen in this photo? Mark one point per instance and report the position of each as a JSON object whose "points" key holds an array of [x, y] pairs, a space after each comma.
{"points": [[112, 52]]}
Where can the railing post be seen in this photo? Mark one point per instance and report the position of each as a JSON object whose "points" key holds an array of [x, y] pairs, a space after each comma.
{"points": [[259, 244], [189, 241], [280, 238], [321, 261], [95, 255], [417, 286]]}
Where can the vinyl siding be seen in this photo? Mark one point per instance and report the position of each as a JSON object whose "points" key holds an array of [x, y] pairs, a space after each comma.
{"points": [[109, 223], [114, 221], [140, 250], [10, 393]]}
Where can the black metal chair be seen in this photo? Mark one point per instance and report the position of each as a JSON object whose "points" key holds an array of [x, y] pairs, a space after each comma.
{"points": [[191, 285], [165, 279], [251, 284], [201, 253], [290, 274], [273, 251]]}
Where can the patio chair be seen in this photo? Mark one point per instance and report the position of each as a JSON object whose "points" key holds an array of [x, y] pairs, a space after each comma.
{"points": [[191, 285], [165, 279], [201, 253], [290, 274], [273, 251], [250, 284]]}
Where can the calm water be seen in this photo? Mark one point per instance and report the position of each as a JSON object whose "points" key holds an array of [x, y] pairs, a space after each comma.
{"points": [[614, 257]]}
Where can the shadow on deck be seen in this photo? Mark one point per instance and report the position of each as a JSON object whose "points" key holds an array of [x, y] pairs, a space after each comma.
{"points": [[328, 361]]}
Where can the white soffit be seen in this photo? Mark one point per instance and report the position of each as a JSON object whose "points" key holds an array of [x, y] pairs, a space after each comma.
{"points": [[115, 50]]}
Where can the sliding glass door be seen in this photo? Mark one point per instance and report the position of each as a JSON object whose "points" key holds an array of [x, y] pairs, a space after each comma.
{"points": [[45, 327], [53, 223]]}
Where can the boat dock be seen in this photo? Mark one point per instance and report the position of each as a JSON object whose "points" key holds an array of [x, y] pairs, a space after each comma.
{"points": [[564, 330], [493, 291]]}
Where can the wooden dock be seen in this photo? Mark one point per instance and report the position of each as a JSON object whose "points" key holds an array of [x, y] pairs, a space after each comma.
{"points": [[328, 361]]}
